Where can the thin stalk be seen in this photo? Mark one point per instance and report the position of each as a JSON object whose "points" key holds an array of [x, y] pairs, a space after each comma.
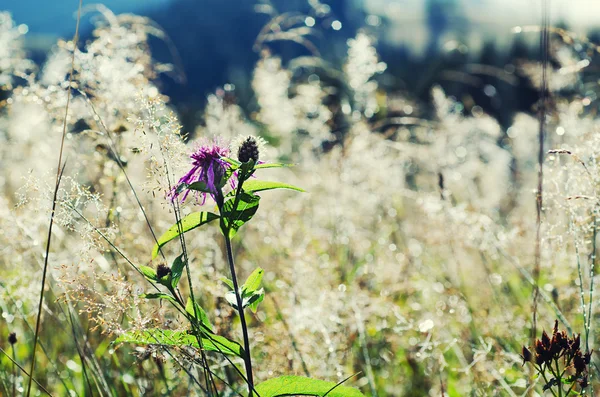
{"points": [[592, 266], [14, 372], [544, 48], [590, 302], [25, 372], [559, 381], [238, 298], [59, 173]]}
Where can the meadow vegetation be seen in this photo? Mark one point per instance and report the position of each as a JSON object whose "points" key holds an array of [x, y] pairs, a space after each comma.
{"points": [[408, 267]]}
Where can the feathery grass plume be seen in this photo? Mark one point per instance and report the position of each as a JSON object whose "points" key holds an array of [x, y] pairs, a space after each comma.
{"points": [[13, 60], [360, 68]]}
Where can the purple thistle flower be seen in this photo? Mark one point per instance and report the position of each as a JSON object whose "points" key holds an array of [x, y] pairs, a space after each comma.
{"points": [[208, 167]]}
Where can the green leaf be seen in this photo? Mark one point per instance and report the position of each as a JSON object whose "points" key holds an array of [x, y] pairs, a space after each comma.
{"points": [[199, 186], [168, 337], [247, 167], [235, 218], [217, 343], [248, 300], [253, 281], [232, 162], [227, 281], [255, 185], [199, 314], [188, 223], [159, 295], [301, 386], [149, 273], [177, 270], [272, 165], [255, 299]]}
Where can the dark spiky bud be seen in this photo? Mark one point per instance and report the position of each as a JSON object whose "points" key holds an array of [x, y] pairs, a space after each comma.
{"points": [[545, 340], [576, 344], [579, 364], [162, 271], [248, 150], [526, 354], [12, 338]]}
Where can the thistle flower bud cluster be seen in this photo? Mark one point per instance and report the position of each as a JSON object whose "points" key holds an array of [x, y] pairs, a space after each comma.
{"points": [[550, 351], [248, 150]]}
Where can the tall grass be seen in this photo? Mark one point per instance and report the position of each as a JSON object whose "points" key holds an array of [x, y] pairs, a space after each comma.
{"points": [[406, 269]]}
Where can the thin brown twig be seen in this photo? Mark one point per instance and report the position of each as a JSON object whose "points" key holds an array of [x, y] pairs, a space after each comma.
{"points": [[544, 48]]}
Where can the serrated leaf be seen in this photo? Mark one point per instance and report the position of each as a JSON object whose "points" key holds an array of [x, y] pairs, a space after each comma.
{"points": [[255, 185], [159, 295], [167, 337], [302, 386], [188, 223], [199, 314], [235, 218], [177, 270], [149, 273]]}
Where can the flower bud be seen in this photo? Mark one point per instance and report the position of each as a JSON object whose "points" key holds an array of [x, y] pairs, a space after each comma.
{"points": [[162, 271], [248, 150]]}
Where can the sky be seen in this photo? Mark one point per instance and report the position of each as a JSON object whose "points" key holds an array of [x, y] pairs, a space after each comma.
{"points": [[57, 17], [487, 19]]}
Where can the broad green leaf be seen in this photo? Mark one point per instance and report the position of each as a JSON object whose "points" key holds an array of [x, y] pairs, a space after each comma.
{"points": [[253, 281], [235, 218], [198, 314], [188, 223], [149, 273], [302, 386], [159, 295], [255, 185], [272, 165], [168, 337], [177, 270]]}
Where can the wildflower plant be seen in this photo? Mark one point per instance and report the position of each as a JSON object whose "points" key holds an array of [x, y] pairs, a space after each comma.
{"points": [[560, 362], [212, 172]]}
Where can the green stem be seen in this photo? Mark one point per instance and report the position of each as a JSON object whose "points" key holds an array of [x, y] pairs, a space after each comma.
{"points": [[238, 298], [14, 389], [542, 372], [559, 379], [226, 229]]}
